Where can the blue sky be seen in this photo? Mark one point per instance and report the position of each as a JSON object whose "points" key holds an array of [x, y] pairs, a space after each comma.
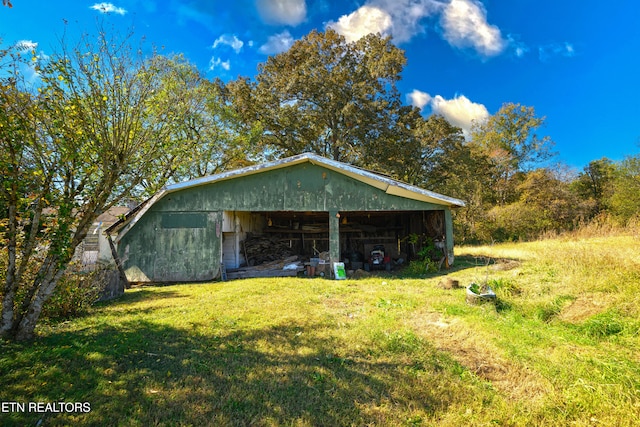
{"points": [[576, 62]]}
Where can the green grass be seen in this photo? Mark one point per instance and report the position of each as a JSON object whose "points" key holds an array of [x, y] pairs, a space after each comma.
{"points": [[560, 347]]}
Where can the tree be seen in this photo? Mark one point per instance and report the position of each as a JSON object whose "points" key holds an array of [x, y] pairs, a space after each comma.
{"points": [[510, 140], [219, 139], [96, 125], [625, 200], [595, 183], [545, 203], [325, 95]]}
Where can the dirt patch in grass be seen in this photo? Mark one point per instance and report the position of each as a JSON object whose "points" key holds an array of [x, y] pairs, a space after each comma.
{"points": [[584, 307], [505, 264], [476, 354]]}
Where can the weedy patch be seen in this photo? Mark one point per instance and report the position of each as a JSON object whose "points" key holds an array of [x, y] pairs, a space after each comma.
{"points": [[604, 324]]}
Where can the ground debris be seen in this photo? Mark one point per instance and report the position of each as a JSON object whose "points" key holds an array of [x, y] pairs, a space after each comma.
{"points": [[449, 283]]}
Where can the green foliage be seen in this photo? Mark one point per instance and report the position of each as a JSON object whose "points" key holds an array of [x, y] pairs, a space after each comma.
{"points": [[504, 286], [502, 149], [428, 256], [544, 204], [209, 129], [625, 200], [604, 324], [97, 127], [421, 266], [74, 295], [510, 139], [594, 184], [325, 95]]}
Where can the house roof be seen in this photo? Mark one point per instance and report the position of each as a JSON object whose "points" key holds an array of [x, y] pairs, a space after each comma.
{"points": [[112, 215], [386, 184]]}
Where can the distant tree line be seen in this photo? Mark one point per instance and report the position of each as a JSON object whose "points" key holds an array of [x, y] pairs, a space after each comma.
{"points": [[97, 123], [340, 100]]}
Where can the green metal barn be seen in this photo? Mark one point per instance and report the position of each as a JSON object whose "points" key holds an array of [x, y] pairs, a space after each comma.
{"points": [[307, 203]]}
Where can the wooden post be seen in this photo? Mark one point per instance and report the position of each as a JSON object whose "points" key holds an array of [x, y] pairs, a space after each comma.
{"points": [[116, 259], [334, 237], [448, 226]]}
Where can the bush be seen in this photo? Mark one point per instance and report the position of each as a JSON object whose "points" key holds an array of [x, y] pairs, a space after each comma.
{"points": [[422, 266], [75, 293], [428, 257]]}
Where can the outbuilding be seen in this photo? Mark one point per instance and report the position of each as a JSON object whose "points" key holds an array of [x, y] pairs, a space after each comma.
{"points": [[195, 230]]}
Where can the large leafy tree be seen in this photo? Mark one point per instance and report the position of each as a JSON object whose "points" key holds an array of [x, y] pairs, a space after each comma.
{"points": [[510, 139], [96, 125], [325, 95], [219, 140]]}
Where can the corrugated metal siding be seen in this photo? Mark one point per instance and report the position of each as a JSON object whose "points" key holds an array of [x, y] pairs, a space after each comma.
{"points": [[172, 253], [303, 187]]}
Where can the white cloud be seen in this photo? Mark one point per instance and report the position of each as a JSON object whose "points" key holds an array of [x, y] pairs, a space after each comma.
{"points": [[277, 43], [408, 16], [26, 45], [108, 8], [565, 49], [459, 111], [229, 40], [517, 47], [399, 18], [465, 25], [419, 99], [285, 12], [217, 62], [366, 20]]}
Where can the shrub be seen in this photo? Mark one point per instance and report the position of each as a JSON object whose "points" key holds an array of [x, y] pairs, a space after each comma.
{"points": [[74, 294], [422, 266], [428, 258]]}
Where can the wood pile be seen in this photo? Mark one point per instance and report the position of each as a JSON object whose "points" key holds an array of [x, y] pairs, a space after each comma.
{"points": [[260, 249], [289, 266]]}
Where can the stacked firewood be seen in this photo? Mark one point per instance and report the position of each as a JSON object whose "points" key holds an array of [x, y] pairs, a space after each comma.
{"points": [[260, 249]]}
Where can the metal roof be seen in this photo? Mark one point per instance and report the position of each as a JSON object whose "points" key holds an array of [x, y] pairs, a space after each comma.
{"points": [[388, 185]]}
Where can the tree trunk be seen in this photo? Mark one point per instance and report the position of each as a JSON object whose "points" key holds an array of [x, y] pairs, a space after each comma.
{"points": [[25, 329], [10, 286], [52, 269], [6, 324]]}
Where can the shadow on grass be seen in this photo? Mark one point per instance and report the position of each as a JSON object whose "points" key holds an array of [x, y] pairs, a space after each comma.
{"points": [[152, 374], [138, 295], [463, 262]]}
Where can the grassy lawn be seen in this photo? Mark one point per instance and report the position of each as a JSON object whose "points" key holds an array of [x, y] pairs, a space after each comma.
{"points": [[560, 347]]}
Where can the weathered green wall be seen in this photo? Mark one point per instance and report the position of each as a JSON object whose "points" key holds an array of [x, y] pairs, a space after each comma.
{"points": [[164, 247], [179, 238], [302, 187]]}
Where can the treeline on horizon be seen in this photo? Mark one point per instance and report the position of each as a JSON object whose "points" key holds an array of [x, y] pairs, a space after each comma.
{"points": [[338, 100]]}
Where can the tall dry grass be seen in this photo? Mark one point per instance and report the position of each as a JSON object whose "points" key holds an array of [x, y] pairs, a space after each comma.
{"points": [[569, 312]]}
